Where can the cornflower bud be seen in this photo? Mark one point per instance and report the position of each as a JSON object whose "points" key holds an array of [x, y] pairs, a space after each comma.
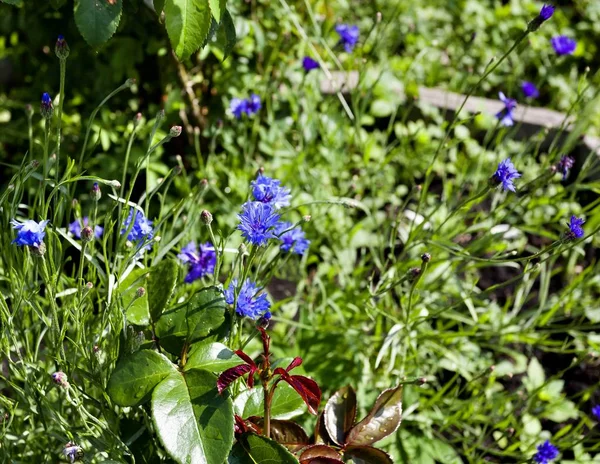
{"points": [[206, 217], [413, 273], [61, 49], [60, 379], [29, 110], [425, 257], [115, 184], [96, 193], [140, 292], [87, 234], [72, 452], [46, 108], [175, 131], [39, 250]]}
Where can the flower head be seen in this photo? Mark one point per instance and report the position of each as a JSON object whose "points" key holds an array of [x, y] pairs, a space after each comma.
{"points": [[46, 108], [546, 452], [563, 45], [60, 379], [505, 115], [257, 221], [254, 104], [268, 190], [309, 64], [529, 89], [201, 260], [76, 226], [141, 229], [575, 230], [546, 12], [293, 238], [238, 107], [564, 165], [29, 232], [596, 412], [72, 452], [505, 174], [348, 36], [251, 301]]}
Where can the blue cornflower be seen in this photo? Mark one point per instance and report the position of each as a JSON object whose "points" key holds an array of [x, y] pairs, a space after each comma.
{"points": [[546, 452], [505, 174], [46, 108], [564, 165], [348, 36], [505, 115], [309, 64], [201, 259], [251, 301], [29, 232], [141, 230], [238, 107], [253, 104], [293, 238], [529, 89], [76, 226], [257, 221], [268, 190], [563, 45], [575, 230], [546, 12], [596, 412]]}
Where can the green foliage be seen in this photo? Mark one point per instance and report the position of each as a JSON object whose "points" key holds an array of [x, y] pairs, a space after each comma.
{"points": [[258, 449], [97, 20], [188, 23]]}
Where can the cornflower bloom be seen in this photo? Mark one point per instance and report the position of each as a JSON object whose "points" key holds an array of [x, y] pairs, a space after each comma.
{"points": [[348, 36], [29, 232], [505, 115], [309, 64], [257, 221], [268, 190], [505, 174], [292, 238], [546, 452], [251, 301], [563, 45], [529, 89], [201, 260]]}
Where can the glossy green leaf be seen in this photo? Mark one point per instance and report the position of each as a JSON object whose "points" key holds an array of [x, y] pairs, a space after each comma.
{"points": [[367, 455], [161, 285], [194, 423], [286, 403], [382, 420], [187, 22], [340, 413], [97, 20], [256, 449], [212, 357], [226, 35], [217, 8], [135, 376], [192, 320], [138, 312]]}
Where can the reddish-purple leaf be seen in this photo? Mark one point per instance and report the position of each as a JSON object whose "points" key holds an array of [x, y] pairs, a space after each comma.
{"points": [[314, 452], [323, 461], [367, 455], [246, 358], [232, 374], [295, 363], [321, 435], [307, 389], [288, 434], [340, 413], [382, 420]]}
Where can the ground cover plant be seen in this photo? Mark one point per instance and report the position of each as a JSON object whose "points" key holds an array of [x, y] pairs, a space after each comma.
{"points": [[205, 259]]}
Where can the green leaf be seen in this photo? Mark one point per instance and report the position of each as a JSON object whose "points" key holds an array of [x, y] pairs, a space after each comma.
{"points": [[187, 22], [535, 375], [227, 36], [137, 308], [382, 420], [134, 378], [285, 405], [161, 284], [217, 7], [256, 449], [340, 413], [212, 357], [159, 6], [191, 321], [97, 20], [13, 2], [194, 423]]}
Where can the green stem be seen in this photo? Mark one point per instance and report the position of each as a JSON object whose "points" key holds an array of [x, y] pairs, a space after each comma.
{"points": [[63, 71]]}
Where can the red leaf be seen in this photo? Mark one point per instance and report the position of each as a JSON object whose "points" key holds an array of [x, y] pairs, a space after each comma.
{"points": [[295, 363], [307, 389], [245, 357], [367, 454], [234, 373], [282, 372], [319, 453]]}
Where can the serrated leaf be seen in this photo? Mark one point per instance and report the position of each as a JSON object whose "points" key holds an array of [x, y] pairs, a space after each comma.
{"points": [[134, 378], [367, 455], [227, 36], [382, 420], [256, 449], [286, 403], [192, 320], [217, 7], [212, 357], [340, 414], [187, 22], [138, 312], [194, 423], [161, 285], [97, 20]]}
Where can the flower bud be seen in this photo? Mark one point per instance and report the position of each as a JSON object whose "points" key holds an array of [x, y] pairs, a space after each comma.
{"points": [[72, 452], [35, 164], [413, 273], [39, 250], [60, 379], [89, 286], [46, 108], [96, 193], [206, 217], [61, 49], [137, 119], [425, 257], [140, 292], [29, 110], [130, 82], [87, 234], [306, 218], [175, 131], [115, 184]]}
